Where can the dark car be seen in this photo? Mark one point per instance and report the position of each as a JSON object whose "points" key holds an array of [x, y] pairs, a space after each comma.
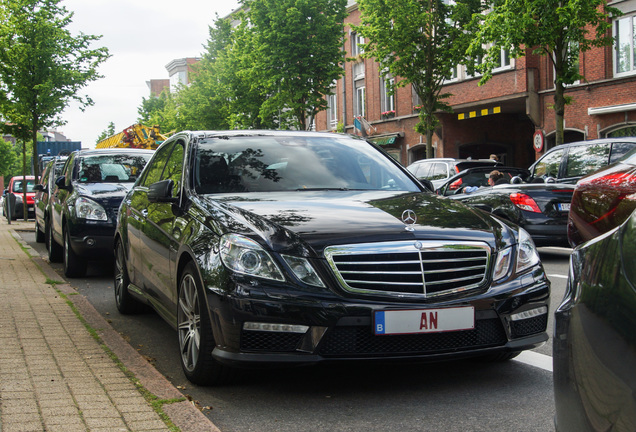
{"points": [[540, 208], [14, 207], [273, 247], [41, 199], [603, 200], [567, 163], [84, 204], [594, 344], [438, 170]]}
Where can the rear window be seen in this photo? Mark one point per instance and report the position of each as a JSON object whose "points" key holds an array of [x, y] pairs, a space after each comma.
{"points": [[619, 150]]}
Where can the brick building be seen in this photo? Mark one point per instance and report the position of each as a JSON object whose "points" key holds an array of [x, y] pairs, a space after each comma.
{"points": [[500, 117]]}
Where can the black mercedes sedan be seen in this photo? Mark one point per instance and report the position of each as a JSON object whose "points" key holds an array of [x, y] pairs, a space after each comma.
{"points": [[594, 344], [540, 208], [292, 248], [84, 202]]}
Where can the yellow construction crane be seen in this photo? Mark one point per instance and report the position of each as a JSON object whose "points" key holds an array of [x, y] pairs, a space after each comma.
{"points": [[135, 136]]}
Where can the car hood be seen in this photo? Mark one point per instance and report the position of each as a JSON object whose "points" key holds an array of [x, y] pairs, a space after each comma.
{"points": [[289, 221], [103, 192]]}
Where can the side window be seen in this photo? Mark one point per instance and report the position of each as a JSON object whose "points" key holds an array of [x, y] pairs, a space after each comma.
{"points": [[156, 165], [548, 166], [583, 160], [421, 170], [439, 171], [174, 168], [619, 150]]}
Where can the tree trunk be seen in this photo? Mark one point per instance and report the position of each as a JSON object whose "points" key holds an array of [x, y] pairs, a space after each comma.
{"points": [[559, 112]]}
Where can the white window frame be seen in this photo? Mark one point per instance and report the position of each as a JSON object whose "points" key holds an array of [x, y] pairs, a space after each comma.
{"points": [[356, 41], [361, 96], [388, 100], [332, 110], [630, 21]]}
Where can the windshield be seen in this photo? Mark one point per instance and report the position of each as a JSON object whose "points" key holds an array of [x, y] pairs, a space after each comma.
{"points": [[18, 185], [287, 163], [114, 168]]}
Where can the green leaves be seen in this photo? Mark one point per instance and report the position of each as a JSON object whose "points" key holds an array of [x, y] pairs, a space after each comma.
{"points": [[42, 66]]}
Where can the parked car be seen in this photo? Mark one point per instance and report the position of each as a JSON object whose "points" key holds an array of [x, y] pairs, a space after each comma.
{"points": [[594, 344], [84, 204], [540, 208], [16, 186], [567, 163], [51, 171], [438, 170], [603, 200], [276, 247]]}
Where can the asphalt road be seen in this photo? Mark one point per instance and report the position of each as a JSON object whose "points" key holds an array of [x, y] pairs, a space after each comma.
{"points": [[458, 396]]}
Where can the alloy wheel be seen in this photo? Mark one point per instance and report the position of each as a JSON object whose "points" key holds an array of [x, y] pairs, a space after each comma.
{"points": [[189, 323]]}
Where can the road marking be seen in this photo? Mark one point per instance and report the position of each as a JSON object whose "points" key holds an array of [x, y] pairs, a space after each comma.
{"points": [[535, 359], [557, 276]]}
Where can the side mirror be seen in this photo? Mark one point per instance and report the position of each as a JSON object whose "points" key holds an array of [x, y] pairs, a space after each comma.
{"points": [[428, 184], [60, 182], [161, 192], [38, 188]]}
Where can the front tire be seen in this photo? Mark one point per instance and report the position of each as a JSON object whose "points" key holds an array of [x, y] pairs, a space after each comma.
{"points": [[196, 341], [126, 304], [74, 266]]}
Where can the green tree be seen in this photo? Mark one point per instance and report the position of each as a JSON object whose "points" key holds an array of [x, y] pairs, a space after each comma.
{"points": [[420, 42], [298, 53], [109, 131], [7, 158], [42, 67], [558, 29]]}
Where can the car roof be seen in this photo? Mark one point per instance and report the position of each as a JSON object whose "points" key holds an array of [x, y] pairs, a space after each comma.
{"points": [[594, 141]]}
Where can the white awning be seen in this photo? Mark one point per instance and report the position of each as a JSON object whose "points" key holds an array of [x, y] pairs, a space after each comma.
{"points": [[611, 109]]}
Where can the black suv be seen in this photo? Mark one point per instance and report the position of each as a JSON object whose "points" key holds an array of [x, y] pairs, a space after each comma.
{"points": [[276, 247], [567, 163], [42, 204], [84, 203]]}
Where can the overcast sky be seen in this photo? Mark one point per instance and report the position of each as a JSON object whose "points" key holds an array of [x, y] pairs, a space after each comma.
{"points": [[143, 36]]}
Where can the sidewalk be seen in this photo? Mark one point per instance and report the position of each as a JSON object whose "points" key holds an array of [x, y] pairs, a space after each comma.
{"points": [[55, 375]]}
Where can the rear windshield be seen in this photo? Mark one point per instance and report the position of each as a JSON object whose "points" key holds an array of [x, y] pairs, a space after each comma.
{"points": [[290, 163]]}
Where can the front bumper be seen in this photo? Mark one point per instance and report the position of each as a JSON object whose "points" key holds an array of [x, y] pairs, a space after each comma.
{"points": [[92, 240], [342, 330]]}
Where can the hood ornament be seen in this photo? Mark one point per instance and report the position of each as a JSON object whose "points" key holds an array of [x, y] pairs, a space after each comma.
{"points": [[409, 218]]}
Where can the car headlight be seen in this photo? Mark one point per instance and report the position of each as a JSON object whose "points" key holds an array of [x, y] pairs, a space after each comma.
{"points": [[527, 256], [243, 255], [88, 209], [303, 270]]}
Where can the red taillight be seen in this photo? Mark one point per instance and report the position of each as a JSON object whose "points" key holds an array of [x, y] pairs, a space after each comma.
{"points": [[455, 185], [524, 202]]}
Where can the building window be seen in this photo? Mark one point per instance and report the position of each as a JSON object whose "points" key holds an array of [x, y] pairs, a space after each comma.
{"points": [[504, 60], [360, 105], [356, 41], [332, 111], [358, 70], [625, 34], [388, 98]]}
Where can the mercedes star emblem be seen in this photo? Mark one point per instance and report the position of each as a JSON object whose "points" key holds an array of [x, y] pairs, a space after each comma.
{"points": [[409, 217]]}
